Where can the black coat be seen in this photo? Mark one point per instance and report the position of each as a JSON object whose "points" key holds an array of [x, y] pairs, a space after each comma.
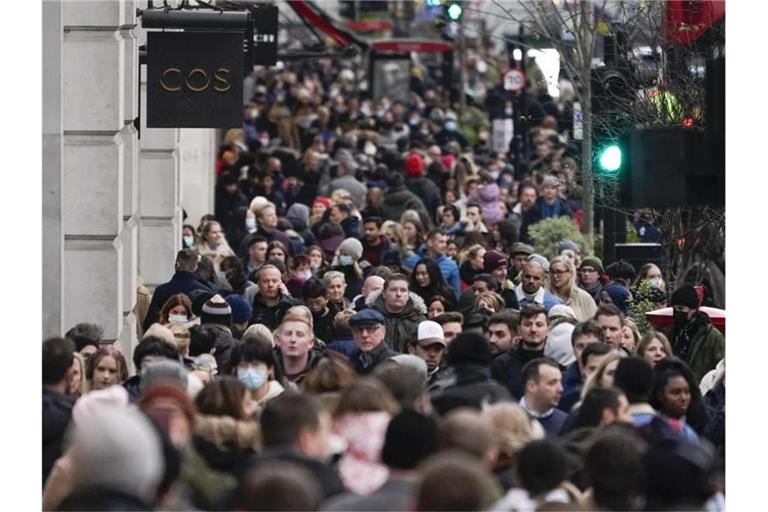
{"points": [[507, 369], [427, 191], [57, 413], [469, 386], [271, 316], [365, 363], [181, 282]]}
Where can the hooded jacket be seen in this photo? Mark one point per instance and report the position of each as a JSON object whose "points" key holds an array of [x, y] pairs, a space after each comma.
{"points": [[706, 345], [397, 200], [402, 326], [489, 196]]}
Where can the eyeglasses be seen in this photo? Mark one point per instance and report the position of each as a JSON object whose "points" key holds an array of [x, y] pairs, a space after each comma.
{"points": [[370, 328], [558, 272]]}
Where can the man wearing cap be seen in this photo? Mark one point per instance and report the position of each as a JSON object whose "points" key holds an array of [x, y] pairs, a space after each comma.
{"points": [[270, 303], [531, 288], [590, 270], [217, 311], [402, 311], [547, 206], [430, 346], [694, 339], [436, 245], [467, 382], [518, 256], [368, 331], [497, 264]]}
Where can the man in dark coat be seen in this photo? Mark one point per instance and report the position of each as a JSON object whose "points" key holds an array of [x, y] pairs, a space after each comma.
{"points": [[546, 206], [402, 311], [183, 281], [398, 199], [368, 331], [423, 187], [467, 381], [58, 354], [543, 383], [533, 329], [375, 244], [694, 339], [270, 304]]}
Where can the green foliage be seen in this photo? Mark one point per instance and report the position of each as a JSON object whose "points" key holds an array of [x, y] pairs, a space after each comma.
{"points": [[546, 234], [640, 305]]}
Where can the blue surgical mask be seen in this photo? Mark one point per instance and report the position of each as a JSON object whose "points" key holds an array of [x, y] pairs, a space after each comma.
{"points": [[450, 126], [250, 224], [177, 319], [222, 275], [252, 378], [345, 261], [189, 241]]}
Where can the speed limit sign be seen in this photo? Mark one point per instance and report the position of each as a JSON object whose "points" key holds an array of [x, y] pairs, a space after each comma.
{"points": [[514, 80]]}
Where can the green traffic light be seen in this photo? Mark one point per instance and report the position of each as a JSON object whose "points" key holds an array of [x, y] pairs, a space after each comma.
{"points": [[610, 159], [455, 11]]}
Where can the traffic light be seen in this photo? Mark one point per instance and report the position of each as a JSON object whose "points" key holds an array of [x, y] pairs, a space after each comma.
{"points": [[610, 159], [454, 10]]}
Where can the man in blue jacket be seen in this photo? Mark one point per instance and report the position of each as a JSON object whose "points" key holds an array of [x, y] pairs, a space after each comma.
{"points": [[437, 243], [183, 281]]}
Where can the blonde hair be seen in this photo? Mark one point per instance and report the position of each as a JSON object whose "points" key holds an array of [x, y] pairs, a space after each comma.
{"points": [[511, 427], [594, 380], [83, 387], [496, 302], [258, 332], [298, 314], [180, 337]]}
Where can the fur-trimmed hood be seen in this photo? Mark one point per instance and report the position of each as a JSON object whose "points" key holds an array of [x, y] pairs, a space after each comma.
{"points": [[414, 301]]}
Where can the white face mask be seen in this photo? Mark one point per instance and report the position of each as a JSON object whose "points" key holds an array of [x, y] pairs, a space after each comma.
{"points": [[177, 319], [250, 224], [656, 282]]}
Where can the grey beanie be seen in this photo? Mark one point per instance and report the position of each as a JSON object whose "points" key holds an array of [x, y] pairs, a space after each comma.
{"points": [[353, 247], [117, 449], [298, 212]]}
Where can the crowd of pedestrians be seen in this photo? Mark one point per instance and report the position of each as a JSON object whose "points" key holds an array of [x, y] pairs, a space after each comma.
{"points": [[364, 323]]}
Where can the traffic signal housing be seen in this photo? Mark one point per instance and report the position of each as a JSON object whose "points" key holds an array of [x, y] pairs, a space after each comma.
{"points": [[663, 168]]}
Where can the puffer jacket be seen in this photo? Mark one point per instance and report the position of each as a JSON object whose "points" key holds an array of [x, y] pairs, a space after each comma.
{"points": [[489, 196], [401, 327]]}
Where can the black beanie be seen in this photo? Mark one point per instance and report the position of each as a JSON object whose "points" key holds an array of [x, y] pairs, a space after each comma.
{"points": [[216, 311], [411, 437], [469, 348], [685, 296]]}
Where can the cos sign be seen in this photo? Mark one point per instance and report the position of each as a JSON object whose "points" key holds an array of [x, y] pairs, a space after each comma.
{"points": [[194, 79]]}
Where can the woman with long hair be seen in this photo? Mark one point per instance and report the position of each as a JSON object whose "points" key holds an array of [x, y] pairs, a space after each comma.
{"points": [[654, 347], [176, 310], [106, 367], [562, 283], [427, 281], [676, 396], [213, 244], [472, 264]]}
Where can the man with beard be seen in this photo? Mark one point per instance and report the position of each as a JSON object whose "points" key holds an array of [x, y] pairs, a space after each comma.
{"points": [[374, 242], [531, 288], [533, 329]]}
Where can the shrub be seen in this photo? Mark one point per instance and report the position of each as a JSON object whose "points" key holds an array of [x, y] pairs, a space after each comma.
{"points": [[548, 233]]}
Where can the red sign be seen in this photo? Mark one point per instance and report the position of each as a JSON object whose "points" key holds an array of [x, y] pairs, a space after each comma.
{"points": [[406, 45], [514, 80], [685, 20], [368, 26]]}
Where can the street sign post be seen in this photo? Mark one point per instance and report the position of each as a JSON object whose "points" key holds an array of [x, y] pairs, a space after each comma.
{"points": [[514, 80]]}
